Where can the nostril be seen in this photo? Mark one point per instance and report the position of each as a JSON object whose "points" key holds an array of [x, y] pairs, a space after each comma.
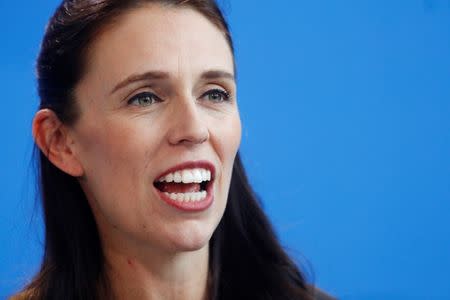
{"points": [[190, 129], [191, 140]]}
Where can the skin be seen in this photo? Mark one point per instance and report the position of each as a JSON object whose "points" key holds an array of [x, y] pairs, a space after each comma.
{"points": [[120, 144]]}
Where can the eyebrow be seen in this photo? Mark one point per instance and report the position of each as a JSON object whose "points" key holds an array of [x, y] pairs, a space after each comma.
{"points": [[159, 75], [217, 74], [151, 75]]}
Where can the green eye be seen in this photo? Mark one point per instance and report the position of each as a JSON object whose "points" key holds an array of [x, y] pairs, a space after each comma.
{"points": [[144, 99], [216, 95]]}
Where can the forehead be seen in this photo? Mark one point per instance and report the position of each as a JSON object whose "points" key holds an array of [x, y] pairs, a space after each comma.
{"points": [[155, 37]]}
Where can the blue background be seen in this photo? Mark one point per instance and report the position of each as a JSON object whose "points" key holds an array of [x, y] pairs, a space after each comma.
{"points": [[346, 114]]}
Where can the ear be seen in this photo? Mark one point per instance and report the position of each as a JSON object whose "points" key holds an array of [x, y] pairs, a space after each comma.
{"points": [[52, 137]]}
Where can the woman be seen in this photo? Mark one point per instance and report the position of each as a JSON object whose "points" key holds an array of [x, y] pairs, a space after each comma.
{"points": [[144, 194]]}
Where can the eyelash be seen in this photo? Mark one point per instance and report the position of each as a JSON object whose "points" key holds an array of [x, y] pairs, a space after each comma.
{"points": [[224, 94], [225, 97], [144, 95]]}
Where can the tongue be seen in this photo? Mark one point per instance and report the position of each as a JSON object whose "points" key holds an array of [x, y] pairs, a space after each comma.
{"points": [[172, 187]]}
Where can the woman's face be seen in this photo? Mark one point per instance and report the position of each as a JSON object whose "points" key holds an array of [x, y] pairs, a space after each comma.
{"points": [[158, 98]]}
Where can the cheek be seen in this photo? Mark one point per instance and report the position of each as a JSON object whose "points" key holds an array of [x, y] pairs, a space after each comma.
{"points": [[103, 157], [114, 157], [111, 146], [230, 137]]}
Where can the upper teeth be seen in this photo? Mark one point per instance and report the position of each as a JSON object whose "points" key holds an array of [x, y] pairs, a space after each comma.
{"points": [[187, 176]]}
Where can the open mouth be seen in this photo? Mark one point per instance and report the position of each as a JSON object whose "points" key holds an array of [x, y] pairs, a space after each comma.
{"points": [[186, 185]]}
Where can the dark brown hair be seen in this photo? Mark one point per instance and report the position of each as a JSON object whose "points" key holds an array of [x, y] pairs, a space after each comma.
{"points": [[246, 259]]}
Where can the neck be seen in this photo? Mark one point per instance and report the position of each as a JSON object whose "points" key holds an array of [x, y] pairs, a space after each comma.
{"points": [[158, 275]]}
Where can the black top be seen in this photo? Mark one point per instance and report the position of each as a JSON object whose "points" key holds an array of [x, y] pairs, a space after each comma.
{"points": [[321, 295]]}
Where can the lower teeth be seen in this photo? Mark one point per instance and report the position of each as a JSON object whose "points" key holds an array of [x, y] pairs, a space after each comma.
{"points": [[187, 197]]}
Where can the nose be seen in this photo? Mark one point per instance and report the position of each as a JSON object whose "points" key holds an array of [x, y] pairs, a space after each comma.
{"points": [[188, 125]]}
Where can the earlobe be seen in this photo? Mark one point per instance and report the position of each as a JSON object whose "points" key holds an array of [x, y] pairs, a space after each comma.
{"points": [[52, 138]]}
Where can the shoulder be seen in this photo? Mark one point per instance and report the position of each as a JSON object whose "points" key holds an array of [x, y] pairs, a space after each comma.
{"points": [[23, 295], [318, 294], [20, 296]]}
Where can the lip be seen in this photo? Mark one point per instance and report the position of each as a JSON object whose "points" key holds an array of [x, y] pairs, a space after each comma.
{"points": [[204, 164], [192, 206]]}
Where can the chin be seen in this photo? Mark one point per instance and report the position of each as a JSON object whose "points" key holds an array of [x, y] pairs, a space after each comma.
{"points": [[191, 239]]}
